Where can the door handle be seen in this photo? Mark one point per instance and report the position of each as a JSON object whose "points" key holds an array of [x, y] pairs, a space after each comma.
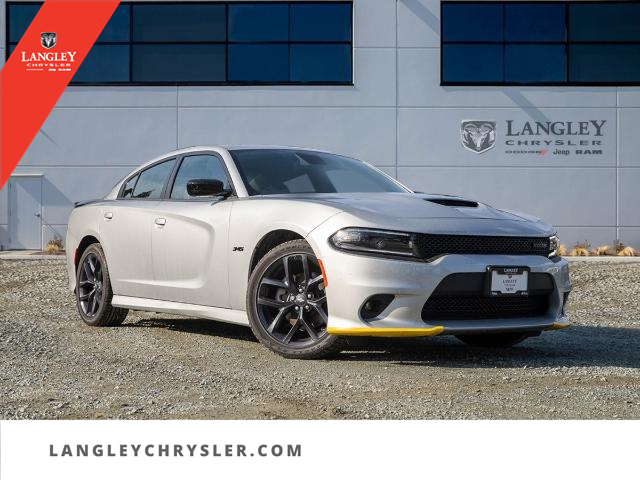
{"points": [[108, 216], [161, 222]]}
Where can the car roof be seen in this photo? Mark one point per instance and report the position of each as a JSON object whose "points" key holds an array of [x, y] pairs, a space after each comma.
{"points": [[229, 148], [218, 148]]}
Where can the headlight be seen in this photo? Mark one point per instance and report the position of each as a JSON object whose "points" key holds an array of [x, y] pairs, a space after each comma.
{"points": [[554, 245], [380, 242]]}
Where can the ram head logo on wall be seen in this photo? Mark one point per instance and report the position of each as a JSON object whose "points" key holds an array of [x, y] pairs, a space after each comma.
{"points": [[48, 39], [478, 135]]}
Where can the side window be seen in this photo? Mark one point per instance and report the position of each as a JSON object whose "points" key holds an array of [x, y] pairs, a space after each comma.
{"points": [[127, 191], [152, 180], [198, 167]]}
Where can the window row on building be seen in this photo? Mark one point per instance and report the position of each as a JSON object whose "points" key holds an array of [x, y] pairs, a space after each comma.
{"points": [[549, 43], [307, 42], [214, 43]]}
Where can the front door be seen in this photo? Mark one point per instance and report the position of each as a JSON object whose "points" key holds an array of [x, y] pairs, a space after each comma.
{"points": [[25, 212], [190, 238]]}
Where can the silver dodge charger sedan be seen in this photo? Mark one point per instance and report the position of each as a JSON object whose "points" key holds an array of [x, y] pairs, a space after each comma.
{"points": [[307, 247]]}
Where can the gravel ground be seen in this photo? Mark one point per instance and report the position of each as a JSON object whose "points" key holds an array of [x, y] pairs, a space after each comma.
{"points": [[160, 366]]}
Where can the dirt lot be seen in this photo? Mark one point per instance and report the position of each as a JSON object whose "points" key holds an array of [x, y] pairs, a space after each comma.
{"points": [[158, 366]]}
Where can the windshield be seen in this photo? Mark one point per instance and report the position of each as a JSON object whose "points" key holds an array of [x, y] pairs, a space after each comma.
{"points": [[276, 172]]}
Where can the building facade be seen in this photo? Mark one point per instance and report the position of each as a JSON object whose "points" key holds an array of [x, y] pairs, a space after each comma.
{"points": [[528, 106]]}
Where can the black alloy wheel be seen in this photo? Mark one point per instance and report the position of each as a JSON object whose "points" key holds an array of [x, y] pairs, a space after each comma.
{"points": [[93, 290], [287, 302], [90, 285]]}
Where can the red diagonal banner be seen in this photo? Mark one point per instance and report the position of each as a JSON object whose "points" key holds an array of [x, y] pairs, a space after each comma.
{"points": [[41, 67]]}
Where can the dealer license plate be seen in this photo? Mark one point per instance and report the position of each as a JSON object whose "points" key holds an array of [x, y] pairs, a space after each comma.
{"points": [[508, 281]]}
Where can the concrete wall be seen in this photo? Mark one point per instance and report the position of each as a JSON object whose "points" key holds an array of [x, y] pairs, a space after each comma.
{"points": [[397, 116]]}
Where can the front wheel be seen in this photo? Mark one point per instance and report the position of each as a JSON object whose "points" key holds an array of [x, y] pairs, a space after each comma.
{"points": [[93, 290], [287, 303], [493, 340]]}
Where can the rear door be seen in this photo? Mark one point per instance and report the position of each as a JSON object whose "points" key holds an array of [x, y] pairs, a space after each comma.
{"points": [[190, 237], [126, 227]]}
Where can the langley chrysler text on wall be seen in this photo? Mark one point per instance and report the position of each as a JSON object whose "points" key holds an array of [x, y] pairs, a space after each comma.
{"points": [[536, 137]]}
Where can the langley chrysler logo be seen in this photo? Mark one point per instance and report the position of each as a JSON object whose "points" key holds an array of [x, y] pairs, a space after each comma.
{"points": [[48, 61], [48, 40], [535, 137], [478, 135]]}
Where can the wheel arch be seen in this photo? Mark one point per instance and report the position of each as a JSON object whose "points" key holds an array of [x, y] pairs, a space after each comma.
{"points": [[86, 241], [268, 242]]}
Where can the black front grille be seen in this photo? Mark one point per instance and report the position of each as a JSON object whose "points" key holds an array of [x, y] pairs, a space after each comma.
{"points": [[483, 308], [461, 296], [431, 245]]}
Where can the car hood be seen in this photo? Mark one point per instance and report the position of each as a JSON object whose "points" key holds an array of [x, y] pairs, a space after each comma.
{"points": [[409, 211]]}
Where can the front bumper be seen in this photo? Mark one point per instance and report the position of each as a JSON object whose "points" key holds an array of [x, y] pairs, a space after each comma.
{"points": [[352, 279]]}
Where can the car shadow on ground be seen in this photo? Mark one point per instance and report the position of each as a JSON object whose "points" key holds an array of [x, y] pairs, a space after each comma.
{"points": [[197, 326], [578, 346]]}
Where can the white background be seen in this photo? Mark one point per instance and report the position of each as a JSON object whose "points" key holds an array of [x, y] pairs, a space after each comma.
{"points": [[332, 449]]}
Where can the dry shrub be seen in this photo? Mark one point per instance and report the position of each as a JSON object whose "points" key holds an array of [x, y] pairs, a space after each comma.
{"points": [[578, 251], [627, 252], [601, 250], [618, 246], [55, 247], [562, 251]]}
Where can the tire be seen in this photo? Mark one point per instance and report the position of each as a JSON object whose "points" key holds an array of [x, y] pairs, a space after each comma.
{"points": [[93, 290], [493, 340], [287, 306]]}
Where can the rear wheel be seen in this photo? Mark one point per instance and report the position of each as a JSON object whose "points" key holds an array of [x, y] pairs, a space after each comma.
{"points": [[493, 340], [93, 290], [287, 303]]}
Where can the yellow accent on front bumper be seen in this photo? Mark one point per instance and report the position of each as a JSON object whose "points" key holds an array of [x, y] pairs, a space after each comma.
{"points": [[559, 326], [385, 332]]}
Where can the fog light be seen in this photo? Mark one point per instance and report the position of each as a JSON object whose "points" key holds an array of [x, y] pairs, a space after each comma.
{"points": [[374, 306]]}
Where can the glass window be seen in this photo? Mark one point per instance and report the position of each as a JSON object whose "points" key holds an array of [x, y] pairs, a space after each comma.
{"points": [[214, 42], [541, 22], [127, 191], [604, 22], [542, 43], [20, 17], [258, 23], [179, 63], [320, 63], [258, 63], [273, 172], [117, 28], [104, 64], [605, 63], [179, 23], [464, 22], [472, 63], [535, 63], [152, 180], [198, 167], [320, 22]]}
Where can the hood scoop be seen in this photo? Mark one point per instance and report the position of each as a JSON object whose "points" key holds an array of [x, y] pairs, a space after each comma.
{"points": [[453, 202]]}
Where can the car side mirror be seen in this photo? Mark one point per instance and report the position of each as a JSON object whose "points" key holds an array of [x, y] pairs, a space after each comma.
{"points": [[205, 187]]}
